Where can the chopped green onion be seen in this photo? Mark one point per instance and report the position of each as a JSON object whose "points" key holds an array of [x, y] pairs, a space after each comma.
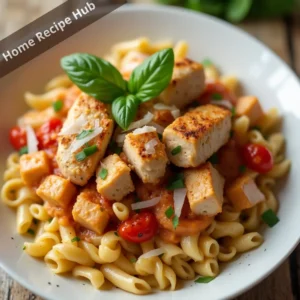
{"points": [[217, 96], [175, 221], [84, 133], [114, 147], [133, 260], [233, 111], [242, 169], [207, 62], [204, 279], [23, 150], [103, 173], [86, 152], [176, 150], [31, 231], [116, 234], [270, 218], [176, 182], [57, 105], [75, 239], [214, 159], [24, 247], [169, 212]]}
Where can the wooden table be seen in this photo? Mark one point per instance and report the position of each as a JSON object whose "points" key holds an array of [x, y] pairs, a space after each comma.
{"points": [[283, 36]]}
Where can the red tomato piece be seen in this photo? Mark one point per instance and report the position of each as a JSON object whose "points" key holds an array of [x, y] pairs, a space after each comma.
{"points": [[18, 137], [216, 91], [139, 228], [47, 133], [257, 158]]}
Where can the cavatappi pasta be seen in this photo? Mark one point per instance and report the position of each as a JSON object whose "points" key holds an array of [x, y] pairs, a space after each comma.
{"points": [[88, 223]]}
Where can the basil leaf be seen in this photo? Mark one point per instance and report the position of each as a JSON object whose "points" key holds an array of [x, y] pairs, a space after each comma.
{"points": [[150, 78], [124, 110], [94, 76], [237, 10]]}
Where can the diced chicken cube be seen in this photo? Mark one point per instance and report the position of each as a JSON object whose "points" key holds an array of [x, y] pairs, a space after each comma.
{"points": [[56, 190], [33, 167], [200, 133], [243, 193], [117, 184], [249, 106], [149, 165], [89, 214], [204, 190], [187, 84], [91, 110]]}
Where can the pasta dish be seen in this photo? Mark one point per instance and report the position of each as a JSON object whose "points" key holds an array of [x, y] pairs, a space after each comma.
{"points": [[143, 168]]}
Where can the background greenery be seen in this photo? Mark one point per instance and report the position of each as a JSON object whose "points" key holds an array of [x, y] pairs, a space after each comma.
{"points": [[237, 10]]}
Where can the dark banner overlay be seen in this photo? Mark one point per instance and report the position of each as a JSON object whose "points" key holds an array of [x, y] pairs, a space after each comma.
{"points": [[51, 29]]}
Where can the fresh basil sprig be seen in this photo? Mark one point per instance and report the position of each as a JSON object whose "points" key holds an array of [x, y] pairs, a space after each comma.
{"points": [[124, 110], [150, 78], [101, 80], [94, 76]]}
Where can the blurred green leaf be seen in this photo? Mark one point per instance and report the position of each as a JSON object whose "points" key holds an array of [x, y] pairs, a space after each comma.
{"points": [[237, 10], [212, 7], [272, 8], [170, 2]]}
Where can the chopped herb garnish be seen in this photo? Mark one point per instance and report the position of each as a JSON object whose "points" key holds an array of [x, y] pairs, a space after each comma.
{"points": [[176, 150], [233, 111], [242, 169], [31, 231], [23, 150], [270, 218], [217, 96], [116, 234], [160, 136], [114, 147], [169, 212], [82, 155], [57, 105], [133, 260], [176, 182], [207, 62], [175, 221], [24, 247], [84, 133], [204, 279], [103, 173], [75, 239], [256, 128], [50, 220], [35, 221], [214, 159]]}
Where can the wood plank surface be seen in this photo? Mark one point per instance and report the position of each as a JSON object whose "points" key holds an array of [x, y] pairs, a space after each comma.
{"points": [[273, 33]]}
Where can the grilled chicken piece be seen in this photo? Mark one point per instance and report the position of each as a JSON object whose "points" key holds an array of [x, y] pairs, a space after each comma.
{"points": [[200, 133], [149, 165], [187, 84], [204, 190], [89, 109]]}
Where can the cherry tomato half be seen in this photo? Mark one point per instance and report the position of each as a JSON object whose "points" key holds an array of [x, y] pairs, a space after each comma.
{"points": [[139, 228], [257, 158], [47, 133], [18, 137], [216, 91]]}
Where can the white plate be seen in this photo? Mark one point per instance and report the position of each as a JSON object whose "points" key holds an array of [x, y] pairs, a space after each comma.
{"points": [[262, 73]]}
